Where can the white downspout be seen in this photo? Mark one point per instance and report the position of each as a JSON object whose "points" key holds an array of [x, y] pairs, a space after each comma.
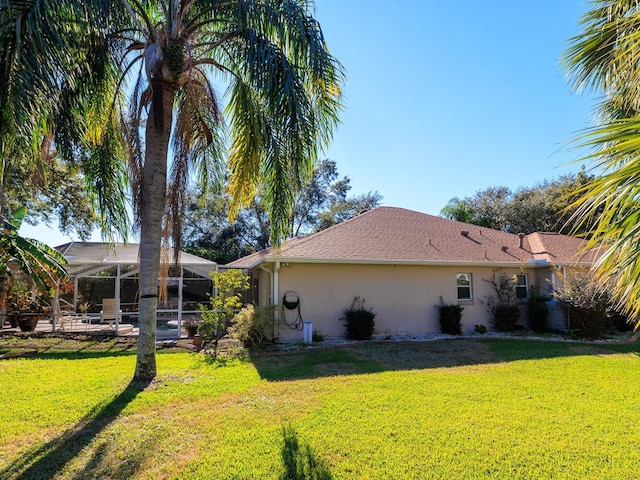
{"points": [[270, 272], [55, 306], [276, 298], [75, 294], [276, 286], [180, 286], [117, 313]]}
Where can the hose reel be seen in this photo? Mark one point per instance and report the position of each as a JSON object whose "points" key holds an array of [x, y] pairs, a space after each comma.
{"points": [[291, 301]]}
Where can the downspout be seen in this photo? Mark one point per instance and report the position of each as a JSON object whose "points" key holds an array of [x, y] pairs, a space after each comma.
{"points": [[55, 306], [273, 283], [75, 294], [276, 299], [276, 286], [180, 287], [270, 272], [117, 312]]}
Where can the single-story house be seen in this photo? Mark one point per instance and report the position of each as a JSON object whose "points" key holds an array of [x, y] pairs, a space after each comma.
{"points": [[402, 263]]}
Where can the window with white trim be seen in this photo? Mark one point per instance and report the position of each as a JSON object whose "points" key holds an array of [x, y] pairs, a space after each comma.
{"points": [[465, 291], [522, 285]]}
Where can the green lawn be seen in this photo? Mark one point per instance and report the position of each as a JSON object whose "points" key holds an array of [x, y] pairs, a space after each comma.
{"points": [[468, 408]]}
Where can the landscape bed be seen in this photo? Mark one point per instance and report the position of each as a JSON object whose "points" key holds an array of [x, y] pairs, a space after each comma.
{"points": [[468, 408]]}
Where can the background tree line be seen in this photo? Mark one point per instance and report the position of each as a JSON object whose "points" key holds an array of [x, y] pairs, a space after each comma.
{"points": [[321, 202], [547, 206]]}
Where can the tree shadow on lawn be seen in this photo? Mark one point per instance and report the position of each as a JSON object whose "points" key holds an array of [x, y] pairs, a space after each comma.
{"points": [[300, 463], [69, 347], [374, 357], [49, 459]]}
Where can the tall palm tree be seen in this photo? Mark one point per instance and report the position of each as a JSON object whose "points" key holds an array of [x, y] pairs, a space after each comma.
{"points": [[605, 58], [283, 103]]}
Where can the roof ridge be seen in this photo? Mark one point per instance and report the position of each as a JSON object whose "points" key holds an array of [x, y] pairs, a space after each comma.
{"points": [[305, 239]]}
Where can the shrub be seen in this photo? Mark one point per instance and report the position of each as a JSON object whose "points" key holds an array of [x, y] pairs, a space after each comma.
{"points": [[450, 318], [317, 337], [503, 305], [538, 310], [252, 324], [227, 300], [586, 305], [481, 329], [359, 321]]}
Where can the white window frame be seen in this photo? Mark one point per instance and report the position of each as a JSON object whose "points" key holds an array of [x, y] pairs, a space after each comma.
{"points": [[467, 278], [518, 285]]}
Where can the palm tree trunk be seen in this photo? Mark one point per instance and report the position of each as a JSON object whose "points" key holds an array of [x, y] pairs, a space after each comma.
{"points": [[154, 186]]}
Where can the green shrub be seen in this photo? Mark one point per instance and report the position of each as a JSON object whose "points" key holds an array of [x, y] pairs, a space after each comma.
{"points": [[227, 300], [480, 329], [538, 309], [505, 317], [589, 323], [359, 321], [317, 337], [503, 305], [252, 325], [586, 305], [450, 318]]}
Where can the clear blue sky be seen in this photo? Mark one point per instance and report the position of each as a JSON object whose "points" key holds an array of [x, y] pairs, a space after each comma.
{"points": [[444, 99]]}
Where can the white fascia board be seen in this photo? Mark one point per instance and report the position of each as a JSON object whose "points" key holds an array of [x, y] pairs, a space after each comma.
{"points": [[406, 262]]}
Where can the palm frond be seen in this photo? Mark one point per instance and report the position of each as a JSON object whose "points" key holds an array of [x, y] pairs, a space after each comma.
{"points": [[610, 205]]}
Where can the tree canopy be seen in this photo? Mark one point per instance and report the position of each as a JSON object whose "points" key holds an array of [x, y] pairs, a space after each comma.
{"points": [[544, 207], [322, 201]]}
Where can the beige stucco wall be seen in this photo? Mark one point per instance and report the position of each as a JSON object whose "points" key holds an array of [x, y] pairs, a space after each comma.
{"points": [[403, 297]]}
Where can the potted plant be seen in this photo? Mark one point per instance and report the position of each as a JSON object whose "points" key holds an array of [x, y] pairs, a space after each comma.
{"points": [[24, 307]]}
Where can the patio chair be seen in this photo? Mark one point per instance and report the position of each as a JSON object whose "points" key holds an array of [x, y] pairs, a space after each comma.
{"points": [[108, 312], [63, 316]]}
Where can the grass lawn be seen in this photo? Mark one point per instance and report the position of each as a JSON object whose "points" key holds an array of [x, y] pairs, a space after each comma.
{"points": [[469, 408]]}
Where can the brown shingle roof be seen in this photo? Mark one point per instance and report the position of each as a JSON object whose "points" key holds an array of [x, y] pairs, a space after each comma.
{"points": [[558, 248], [397, 235]]}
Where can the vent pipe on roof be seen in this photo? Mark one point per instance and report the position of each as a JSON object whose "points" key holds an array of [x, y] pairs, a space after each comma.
{"points": [[504, 248], [464, 233], [521, 241]]}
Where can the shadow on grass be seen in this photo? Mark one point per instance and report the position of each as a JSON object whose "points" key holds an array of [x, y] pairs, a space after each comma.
{"points": [[373, 357], [49, 459], [300, 463], [85, 354], [69, 347]]}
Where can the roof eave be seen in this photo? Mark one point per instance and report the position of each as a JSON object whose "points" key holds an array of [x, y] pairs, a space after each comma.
{"points": [[434, 263]]}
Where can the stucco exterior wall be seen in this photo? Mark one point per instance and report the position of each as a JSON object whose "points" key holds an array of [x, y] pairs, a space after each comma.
{"points": [[403, 297]]}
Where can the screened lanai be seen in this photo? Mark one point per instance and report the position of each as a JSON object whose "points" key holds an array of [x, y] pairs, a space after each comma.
{"points": [[100, 271]]}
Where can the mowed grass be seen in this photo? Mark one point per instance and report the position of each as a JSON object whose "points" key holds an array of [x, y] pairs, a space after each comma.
{"points": [[471, 408]]}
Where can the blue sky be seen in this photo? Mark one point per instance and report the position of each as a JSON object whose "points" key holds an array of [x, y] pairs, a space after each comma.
{"points": [[444, 99]]}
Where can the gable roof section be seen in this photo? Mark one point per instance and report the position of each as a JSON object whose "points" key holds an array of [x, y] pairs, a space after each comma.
{"points": [[396, 235], [560, 249]]}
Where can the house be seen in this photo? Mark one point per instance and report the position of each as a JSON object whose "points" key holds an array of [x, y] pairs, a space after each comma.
{"points": [[402, 263]]}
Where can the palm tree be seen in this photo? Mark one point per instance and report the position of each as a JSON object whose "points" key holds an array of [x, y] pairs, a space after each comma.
{"points": [[605, 58], [283, 102], [43, 264], [457, 209]]}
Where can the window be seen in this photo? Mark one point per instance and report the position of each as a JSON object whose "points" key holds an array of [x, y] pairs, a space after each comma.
{"points": [[522, 285], [464, 286]]}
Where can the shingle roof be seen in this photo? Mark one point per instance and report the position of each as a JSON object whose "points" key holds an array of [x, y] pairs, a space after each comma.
{"points": [[557, 248], [397, 235]]}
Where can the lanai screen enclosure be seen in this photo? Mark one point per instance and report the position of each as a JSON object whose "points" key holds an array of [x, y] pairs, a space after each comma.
{"points": [[102, 270]]}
